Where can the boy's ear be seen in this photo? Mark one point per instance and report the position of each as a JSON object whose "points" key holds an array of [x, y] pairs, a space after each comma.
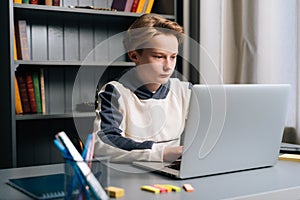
{"points": [[133, 55]]}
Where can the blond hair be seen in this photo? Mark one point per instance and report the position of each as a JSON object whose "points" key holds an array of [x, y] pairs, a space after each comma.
{"points": [[146, 27]]}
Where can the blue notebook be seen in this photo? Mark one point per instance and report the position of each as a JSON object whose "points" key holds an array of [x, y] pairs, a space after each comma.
{"points": [[40, 187]]}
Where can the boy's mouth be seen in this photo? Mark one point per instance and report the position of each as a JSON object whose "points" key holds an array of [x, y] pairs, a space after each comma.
{"points": [[164, 75]]}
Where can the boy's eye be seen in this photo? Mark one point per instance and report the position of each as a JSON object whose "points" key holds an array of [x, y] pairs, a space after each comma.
{"points": [[161, 57]]}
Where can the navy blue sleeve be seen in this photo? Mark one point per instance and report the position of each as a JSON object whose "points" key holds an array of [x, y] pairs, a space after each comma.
{"points": [[111, 119]]}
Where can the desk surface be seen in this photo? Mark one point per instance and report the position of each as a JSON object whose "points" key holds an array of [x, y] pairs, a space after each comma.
{"points": [[279, 182]]}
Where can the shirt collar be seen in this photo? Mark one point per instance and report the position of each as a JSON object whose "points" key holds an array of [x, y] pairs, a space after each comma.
{"points": [[130, 80]]}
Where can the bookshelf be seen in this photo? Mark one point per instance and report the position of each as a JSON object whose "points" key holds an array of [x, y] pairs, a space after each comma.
{"points": [[77, 49]]}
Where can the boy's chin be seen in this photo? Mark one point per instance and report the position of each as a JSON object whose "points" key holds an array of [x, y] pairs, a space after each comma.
{"points": [[164, 81]]}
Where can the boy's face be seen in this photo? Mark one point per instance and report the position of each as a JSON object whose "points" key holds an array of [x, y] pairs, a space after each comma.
{"points": [[156, 64]]}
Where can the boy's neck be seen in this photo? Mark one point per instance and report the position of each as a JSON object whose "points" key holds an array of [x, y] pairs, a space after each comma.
{"points": [[152, 87]]}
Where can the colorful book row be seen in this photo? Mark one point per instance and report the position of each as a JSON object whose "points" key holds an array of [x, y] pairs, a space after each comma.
{"points": [[30, 92], [39, 2], [137, 6]]}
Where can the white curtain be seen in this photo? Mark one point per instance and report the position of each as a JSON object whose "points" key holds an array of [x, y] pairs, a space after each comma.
{"points": [[253, 41]]}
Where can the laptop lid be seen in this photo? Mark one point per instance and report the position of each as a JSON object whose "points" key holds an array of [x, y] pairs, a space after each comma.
{"points": [[233, 127]]}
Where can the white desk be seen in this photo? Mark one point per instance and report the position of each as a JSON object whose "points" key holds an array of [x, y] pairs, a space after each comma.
{"points": [[279, 182]]}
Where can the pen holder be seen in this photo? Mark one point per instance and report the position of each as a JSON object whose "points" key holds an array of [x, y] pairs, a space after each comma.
{"points": [[77, 185]]}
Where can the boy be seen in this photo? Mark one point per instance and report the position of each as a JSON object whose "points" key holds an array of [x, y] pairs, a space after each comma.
{"points": [[142, 115]]}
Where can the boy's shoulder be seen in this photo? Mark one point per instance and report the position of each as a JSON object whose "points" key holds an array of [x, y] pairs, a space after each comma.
{"points": [[175, 82], [114, 84]]}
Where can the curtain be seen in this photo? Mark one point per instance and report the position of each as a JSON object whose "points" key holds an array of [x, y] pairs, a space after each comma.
{"points": [[252, 41]]}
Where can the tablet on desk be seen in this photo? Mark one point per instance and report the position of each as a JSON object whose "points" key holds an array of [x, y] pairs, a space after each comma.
{"points": [[40, 187]]}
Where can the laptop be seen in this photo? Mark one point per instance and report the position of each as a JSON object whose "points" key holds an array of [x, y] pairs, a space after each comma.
{"points": [[289, 148], [229, 128]]}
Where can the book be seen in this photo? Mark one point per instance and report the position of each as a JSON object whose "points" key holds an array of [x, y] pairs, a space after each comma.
{"points": [[48, 2], [18, 103], [23, 92], [18, 1], [41, 2], [22, 40], [56, 2], [34, 2], [128, 5], [37, 93], [140, 6], [25, 1], [30, 91], [119, 5], [134, 5], [40, 187], [15, 48], [149, 6], [42, 87]]}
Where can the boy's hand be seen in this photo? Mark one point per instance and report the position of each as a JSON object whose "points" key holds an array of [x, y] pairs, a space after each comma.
{"points": [[172, 153]]}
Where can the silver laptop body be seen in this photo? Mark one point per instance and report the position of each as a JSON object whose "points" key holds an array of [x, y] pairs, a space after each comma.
{"points": [[230, 128]]}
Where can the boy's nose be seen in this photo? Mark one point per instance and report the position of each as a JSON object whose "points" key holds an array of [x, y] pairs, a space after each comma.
{"points": [[168, 65]]}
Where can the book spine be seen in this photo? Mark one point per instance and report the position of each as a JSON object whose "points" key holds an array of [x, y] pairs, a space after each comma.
{"points": [[34, 2], [23, 92], [42, 86], [18, 103], [25, 1], [30, 91], [140, 6], [48, 2], [134, 5], [18, 1], [56, 2], [15, 48], [149, 6], [128, 5], [41, 2], [22, 40], [36, 85], [145, 6], [119, 5]]}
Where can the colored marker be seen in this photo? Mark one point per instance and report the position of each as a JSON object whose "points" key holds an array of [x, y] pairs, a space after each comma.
{"points": [[174, 188], [168, 189], [150, 189], [188, 187], [115, 192], [162, 189]]}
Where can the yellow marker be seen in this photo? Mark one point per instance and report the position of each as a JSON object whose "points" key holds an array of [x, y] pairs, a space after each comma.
{"points": [[115, 192], [150, 189], [174, 188], [169, 189], [291, 157]]}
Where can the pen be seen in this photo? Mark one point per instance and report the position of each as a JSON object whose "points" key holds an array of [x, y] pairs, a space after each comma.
{"points": [[61, 148], [86, 146], [167, 140], [90, 155]]}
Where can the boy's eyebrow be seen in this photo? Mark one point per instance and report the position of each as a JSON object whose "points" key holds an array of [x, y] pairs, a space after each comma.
{"points": [[162, 51]]}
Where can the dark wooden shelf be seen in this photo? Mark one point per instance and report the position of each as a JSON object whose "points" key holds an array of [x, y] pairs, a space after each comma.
{"points": [[54, 116], [25, 63]]}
